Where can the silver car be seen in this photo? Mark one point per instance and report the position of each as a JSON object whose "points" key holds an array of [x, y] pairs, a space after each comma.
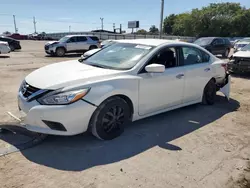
{"points": [[72, 44]]}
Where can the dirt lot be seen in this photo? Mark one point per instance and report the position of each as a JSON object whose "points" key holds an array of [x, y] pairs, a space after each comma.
{"points": [[196, 146]]}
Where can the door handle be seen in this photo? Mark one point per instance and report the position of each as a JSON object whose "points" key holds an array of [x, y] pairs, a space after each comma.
{"points": [[207, 69], [179, 76]]}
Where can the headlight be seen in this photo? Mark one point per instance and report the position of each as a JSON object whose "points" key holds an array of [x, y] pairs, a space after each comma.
{"points": [[61, 98]]}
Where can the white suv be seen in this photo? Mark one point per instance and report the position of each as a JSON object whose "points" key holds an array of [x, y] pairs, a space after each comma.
{"points": [[72, 44]]}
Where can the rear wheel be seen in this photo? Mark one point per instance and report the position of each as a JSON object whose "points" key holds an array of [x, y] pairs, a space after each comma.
{"points": [[109, 119], [60, 52], [92, 47], [209, 93], [12, 48]]}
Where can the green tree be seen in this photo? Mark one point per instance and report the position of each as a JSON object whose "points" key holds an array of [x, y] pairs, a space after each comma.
{"points": [[141, 31], [168, 24], [217, 19], [153, 29]]}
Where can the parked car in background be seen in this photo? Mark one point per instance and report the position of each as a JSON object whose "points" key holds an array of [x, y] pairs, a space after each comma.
{"points": [[18, 36], [4, 48], [215, 45], [240, 61], [127, 81], [13, 44], [241, 43], [72, 44], [104, 44]]}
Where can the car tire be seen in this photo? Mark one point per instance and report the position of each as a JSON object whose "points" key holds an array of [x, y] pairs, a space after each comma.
{"points": [[12, 48], [92, 47], [226, 53], [209, 93], [60, 52], [109, 119]]}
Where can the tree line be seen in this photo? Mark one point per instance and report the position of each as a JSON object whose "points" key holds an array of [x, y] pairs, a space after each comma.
{"points": [[216, 19]]}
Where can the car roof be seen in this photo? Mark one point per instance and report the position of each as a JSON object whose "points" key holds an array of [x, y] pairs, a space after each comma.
{"points": [[80, 36], [150, 42]]}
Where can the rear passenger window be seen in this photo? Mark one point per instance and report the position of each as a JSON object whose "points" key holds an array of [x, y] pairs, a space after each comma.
{"points": [[193, 55], [94, 38], [81, 39]]}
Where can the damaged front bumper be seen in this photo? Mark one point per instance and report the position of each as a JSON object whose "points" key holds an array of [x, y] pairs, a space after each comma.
{"points": [[238, 64]]}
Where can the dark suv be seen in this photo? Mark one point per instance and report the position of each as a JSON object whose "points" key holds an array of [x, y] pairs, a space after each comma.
{"points": [[13, 44], [215, 45]]}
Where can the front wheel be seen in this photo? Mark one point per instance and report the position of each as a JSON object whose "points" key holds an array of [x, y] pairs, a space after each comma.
{"points": [[60, 52], [109, 119], [209, 93]]}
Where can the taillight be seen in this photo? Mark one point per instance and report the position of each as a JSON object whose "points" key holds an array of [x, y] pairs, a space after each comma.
{"points": [[224, 65]]}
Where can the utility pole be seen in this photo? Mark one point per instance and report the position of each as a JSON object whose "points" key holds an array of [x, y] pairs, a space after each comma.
{"points": [[161, 18], [69, 28], [102, 22], [114, 27], [34, 22], [120, 28], [14, 18]]}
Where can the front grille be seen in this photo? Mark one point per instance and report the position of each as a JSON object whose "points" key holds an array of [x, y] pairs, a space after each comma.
{"points": [[27, 90], [242, 60]]}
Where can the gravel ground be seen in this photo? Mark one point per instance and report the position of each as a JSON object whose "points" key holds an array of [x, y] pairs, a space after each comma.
{"points": [[196, 146]]}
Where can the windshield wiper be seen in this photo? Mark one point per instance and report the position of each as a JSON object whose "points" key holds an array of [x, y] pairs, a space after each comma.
{"points": [[99, 66]]}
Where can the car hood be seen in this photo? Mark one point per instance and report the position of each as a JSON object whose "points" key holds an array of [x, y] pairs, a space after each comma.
{"points": [[243, 42], [242, 54], [59, 75], [52, 42]]}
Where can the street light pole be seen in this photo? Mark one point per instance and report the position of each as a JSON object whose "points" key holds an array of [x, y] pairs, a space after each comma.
{"points": [[14, 18], [161, 18], [102, 22]]}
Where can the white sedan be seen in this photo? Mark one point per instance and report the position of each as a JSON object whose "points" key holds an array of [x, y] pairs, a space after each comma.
{"points": [[124, 82], [4, 48]]}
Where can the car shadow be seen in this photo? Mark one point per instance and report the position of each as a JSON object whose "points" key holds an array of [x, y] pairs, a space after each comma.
{"points": [[243, 75], [67, 55], [4, 56], [81, 152]]}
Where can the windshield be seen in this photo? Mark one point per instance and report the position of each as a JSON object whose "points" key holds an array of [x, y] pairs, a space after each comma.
{"points": [[121, 56], [64, 39], [246, 48], [203, 41]]}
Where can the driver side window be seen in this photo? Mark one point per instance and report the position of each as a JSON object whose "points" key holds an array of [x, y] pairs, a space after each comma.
{"points": [[166, 57], [72, 39]]}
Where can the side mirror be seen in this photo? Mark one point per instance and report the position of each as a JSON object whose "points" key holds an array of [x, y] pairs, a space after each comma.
{"points": [[155, 68]]}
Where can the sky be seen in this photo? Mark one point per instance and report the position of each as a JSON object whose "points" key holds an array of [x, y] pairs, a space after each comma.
{"points": [[84, 15]]}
